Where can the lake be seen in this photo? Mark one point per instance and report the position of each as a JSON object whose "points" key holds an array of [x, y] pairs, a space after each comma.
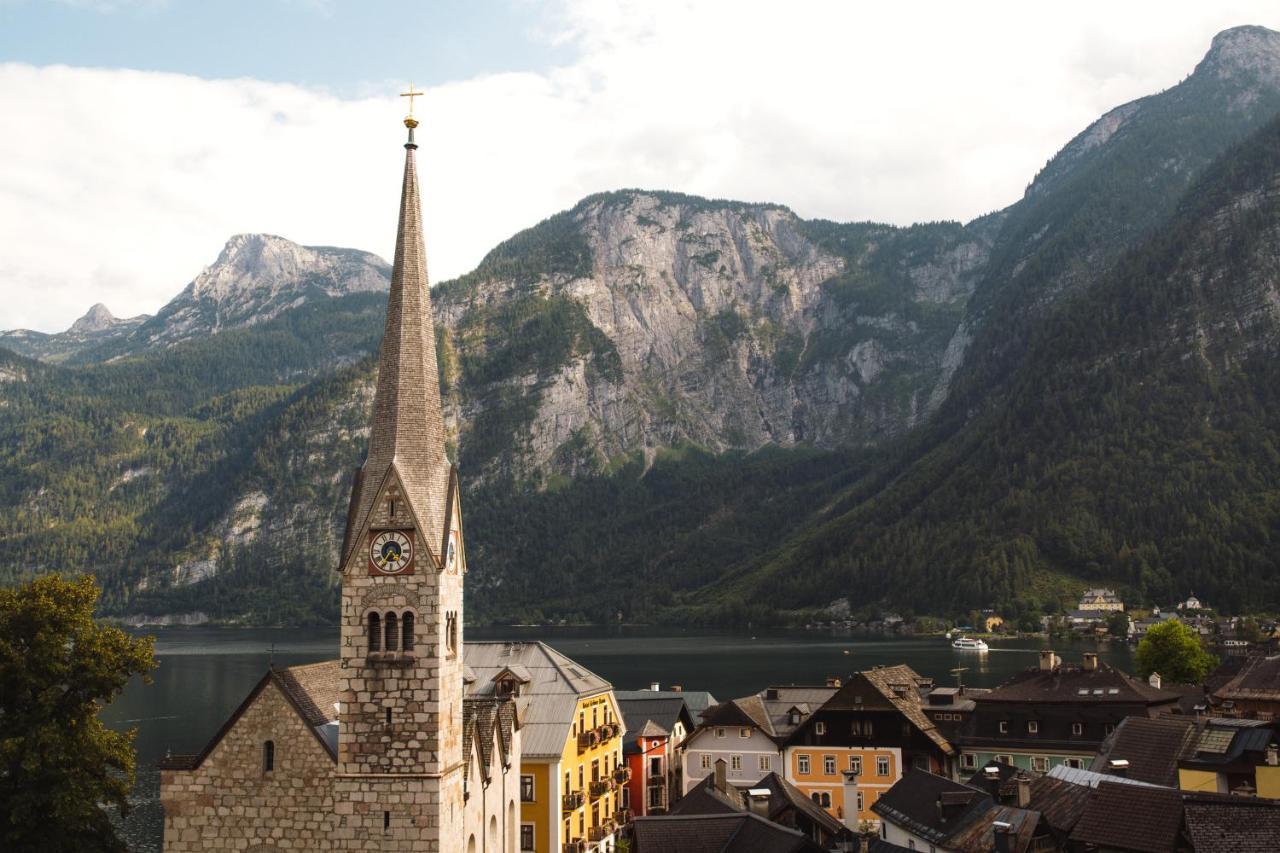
{"points": [[205, 673]]}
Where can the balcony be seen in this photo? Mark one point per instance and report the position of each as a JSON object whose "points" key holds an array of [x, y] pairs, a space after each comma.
{"points": [[578, 846], [622, 817], [573, 800], [622, 775], [588, 740], [607, 732], [601, 832], [600, 787]]}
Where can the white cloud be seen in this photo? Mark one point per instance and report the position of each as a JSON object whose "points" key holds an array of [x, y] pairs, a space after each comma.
{"points": [[116, 186]]}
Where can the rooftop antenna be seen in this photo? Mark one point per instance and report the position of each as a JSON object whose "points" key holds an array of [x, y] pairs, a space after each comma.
{"points": [[958, 672], [272, 652]]}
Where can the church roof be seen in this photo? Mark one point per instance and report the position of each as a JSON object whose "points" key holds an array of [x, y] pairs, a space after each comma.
{"points": [[550, 698], [407, 432], [487, 721]]}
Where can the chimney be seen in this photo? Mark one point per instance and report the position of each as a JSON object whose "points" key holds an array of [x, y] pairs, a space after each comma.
{"points": [[1273, 756], [1048, 660], [722, 783], [1090, 661], [832, 681], [1154, 680], [1003, 834], [677, 688], [758, 799], [655, 686], [1024, 790], [1118, 767]]}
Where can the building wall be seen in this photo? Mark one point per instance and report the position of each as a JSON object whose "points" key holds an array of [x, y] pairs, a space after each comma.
{"points": [[870, 783], [592, 712], [1268, 781], [544, 810], [751, 750], [1203, 781], [492, 812], [1023, 760], [231, 803], [640, 762]]}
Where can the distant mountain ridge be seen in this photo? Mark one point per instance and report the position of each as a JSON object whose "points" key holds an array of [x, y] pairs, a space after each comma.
{"points": [[748, 411]]}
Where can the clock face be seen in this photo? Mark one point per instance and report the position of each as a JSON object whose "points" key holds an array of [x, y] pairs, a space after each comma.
{"points": [[391, 551]]}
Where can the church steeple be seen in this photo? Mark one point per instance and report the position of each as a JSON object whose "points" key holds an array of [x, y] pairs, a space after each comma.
{"points": [[407, 432]]}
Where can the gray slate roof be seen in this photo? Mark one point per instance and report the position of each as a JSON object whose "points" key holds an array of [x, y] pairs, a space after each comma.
{"points": [[547, 703]]}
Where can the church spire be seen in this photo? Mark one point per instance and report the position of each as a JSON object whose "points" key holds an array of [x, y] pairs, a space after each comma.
{"points": [[407, 432]]}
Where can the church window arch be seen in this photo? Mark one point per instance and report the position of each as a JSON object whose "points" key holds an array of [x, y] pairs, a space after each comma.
{"points": [[268, 756], [375, 632], [406, 632], [493, 832], [471, 844], [391, 632]]}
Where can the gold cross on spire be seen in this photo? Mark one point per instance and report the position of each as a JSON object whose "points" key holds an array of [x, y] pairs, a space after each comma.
{"points": [[409, 120]]}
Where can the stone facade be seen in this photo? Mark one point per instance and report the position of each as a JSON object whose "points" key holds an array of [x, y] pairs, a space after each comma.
{"points": [[230, 801]]}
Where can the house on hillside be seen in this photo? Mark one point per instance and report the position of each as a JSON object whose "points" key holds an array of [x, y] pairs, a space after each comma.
{"points": [[1100, 600], [1055, 714]]}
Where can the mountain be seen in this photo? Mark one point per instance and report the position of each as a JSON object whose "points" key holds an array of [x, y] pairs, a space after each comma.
{"points": [[96, 327], [693, 409], [255, 278]]}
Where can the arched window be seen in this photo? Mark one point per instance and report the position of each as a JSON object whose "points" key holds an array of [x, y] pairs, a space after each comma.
{"points": [[451, 633], [375, 632], [390, 632], [406, 632], [268, 756]]}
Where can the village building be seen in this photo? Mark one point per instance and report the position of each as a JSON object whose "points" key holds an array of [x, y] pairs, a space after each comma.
{"points": [[772, 798], [1207, 755], [749, 733], [856, 745], [925, 811], [1100, 600], [1056, 714], [1253, 692], [656, 726], [571, 766]]}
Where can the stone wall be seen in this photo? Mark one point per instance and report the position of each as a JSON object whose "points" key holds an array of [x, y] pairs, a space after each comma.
{"points": [[230, 803]]}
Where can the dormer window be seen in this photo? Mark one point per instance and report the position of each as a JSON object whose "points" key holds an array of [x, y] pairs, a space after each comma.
{"points": [[820, 728]]}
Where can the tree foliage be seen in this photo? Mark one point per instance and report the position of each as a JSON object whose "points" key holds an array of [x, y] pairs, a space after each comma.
{"points": [[1173, 650], [59, 765]]}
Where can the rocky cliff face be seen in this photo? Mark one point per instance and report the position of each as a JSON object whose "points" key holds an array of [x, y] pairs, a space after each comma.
{"points": [[725, 325], [254, 279]]}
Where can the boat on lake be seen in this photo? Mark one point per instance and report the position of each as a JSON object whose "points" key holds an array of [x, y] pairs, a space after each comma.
{"points": [[968, 644]]}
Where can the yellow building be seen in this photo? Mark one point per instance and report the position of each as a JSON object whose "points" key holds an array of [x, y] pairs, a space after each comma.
{"points": [[571, 732], [819, 771]]}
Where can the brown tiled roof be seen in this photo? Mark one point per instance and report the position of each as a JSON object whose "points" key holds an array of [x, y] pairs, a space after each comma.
{"points": [[1060, 802], [484, 720], [769, 710], [1232, 824], [1071, 683], [978, 835], [313, 689], [1259, 681], [1131, 817], [741, 832], [1152, 747], [912, 803], [886, 679]]}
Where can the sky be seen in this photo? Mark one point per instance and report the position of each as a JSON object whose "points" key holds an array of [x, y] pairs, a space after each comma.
{"points": [[138, 135]]}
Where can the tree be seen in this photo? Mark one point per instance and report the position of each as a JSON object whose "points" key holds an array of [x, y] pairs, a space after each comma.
{"points": [[1173, 650], [1118, 624], [59, 765]]}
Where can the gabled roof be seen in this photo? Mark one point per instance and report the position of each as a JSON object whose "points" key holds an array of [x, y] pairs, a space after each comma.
{"points": [[769, 710], [706, 798], [1259, 680], [1139, 818], [488, 722], [886, 688], [664, 713], [740, 832], [311, 691], [912, 803], [1152, 747], [696, 701], [548, 702], [1059, 802], [1072, 683]]}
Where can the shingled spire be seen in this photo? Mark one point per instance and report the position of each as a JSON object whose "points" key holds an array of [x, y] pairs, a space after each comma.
{"points": [[407, 432]]}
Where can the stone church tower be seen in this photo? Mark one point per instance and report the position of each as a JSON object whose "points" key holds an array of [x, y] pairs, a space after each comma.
{"points": [[399, 776]]}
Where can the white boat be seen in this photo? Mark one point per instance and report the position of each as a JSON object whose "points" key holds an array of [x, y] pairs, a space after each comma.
{"points": [[969, 645]]}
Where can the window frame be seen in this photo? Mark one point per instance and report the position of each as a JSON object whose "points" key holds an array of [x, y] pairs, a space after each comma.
{"points": [[527, 784], [882, 765], [803, 764]]}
